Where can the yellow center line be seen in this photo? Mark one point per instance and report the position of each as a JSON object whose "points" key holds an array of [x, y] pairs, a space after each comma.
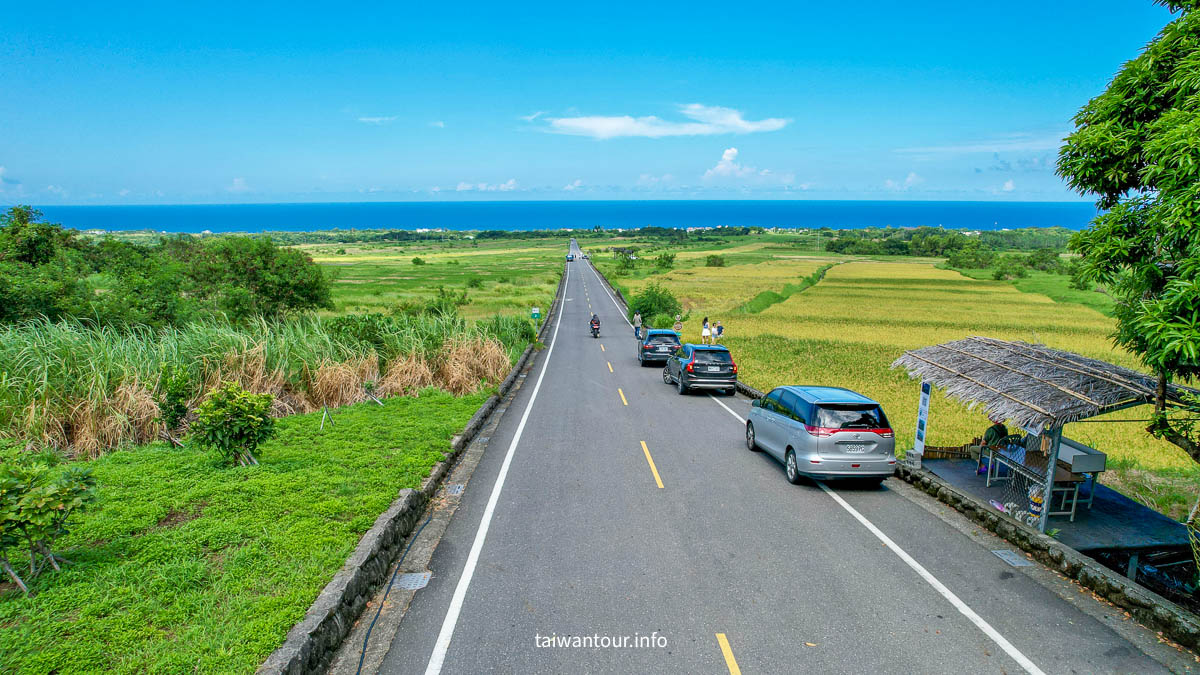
{"points": [[730, 662], [609, 366], [622, 396], [654, 470], [602, 348]]}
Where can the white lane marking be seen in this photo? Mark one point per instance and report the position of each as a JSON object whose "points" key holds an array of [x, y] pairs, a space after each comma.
{"points": [[460, 592], [610, 297], [730, 410], [961, 606]]}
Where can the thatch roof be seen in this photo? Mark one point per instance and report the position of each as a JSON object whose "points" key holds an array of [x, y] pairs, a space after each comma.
{"points": [[1031, 385]]}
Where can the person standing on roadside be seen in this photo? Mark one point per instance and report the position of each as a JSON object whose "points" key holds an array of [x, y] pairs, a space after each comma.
{"points": [[637, 325], [718, 333], [705, 333]]}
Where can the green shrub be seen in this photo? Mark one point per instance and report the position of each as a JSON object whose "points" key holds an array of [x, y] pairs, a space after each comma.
{"points": [[714, 261], [418, 261], [661, 321], [175, 387], [233, 422], [474, 282], [653, 300], [35, 507], [1010, 267], [665, 261]]}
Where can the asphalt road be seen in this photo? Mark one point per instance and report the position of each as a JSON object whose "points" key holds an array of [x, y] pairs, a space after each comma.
{"points": [[564, 531]]}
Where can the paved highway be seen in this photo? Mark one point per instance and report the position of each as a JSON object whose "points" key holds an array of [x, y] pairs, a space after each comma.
{"points": [[608, 506]]}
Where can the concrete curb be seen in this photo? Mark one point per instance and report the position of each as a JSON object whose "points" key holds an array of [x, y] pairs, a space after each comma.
{"points": [[1148, 607], [313, 642]]}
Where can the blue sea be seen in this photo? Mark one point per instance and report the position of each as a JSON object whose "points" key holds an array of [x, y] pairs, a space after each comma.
{"points": [[513, 215]]}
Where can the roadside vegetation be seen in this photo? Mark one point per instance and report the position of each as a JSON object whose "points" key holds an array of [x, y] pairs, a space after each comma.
{"points": [[184, 564]]}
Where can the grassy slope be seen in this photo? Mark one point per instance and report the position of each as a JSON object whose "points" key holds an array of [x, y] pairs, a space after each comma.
{"points": [[187, 566], [1057, 287]]}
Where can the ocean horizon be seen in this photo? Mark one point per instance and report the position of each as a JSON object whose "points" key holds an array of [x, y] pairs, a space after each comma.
{"points": [[543, 215]]}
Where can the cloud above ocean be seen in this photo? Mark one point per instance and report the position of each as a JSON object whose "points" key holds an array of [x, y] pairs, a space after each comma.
{"points": [[701, 120]]}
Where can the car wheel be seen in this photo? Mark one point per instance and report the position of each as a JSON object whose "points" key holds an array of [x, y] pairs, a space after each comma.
{"points": [[868, 483], [750, 444], [793, 471], [732, 391], [667, 375], [680, 386]]}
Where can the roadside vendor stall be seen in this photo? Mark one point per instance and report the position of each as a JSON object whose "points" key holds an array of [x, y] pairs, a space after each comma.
{"points": [[1034, 472]]}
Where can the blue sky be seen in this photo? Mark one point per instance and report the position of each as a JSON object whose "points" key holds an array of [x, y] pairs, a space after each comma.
{"points": [[162, 103]]}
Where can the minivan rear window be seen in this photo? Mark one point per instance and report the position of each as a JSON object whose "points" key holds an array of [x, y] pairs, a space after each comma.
{"points": [[832, 416], [712, 356], [663, 339]]}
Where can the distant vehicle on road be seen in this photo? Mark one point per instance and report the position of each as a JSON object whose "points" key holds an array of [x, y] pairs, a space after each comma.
{"points": [[583, 255], [701, 367], [657, 346], [823, 433], [570, 257]]}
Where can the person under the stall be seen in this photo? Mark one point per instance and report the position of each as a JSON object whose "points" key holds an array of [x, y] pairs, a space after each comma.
{"points": [[995, 435]]}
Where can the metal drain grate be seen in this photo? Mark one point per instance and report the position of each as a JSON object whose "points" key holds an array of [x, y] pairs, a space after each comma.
{"points": [[454, 489], [413, 581], [1012, 558]]}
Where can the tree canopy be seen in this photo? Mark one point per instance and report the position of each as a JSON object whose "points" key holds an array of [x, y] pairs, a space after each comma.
{"points": [[46, 270], [1136, 146]]}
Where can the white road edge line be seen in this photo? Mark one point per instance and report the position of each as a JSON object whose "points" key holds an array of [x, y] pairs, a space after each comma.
{"points": [[442, 646], [610, 295], [1029, 666], [961, 606]]}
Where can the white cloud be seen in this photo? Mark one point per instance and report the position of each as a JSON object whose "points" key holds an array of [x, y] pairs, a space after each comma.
{"points": [[649, 179], [1020, 142], [123, 192], [573, 185], [439, 124], [728, 166], [507, 186], [238, 185], [705, 121], [911, 180], [534, 116], [379, 119], [56, 190], [1008, 186]]}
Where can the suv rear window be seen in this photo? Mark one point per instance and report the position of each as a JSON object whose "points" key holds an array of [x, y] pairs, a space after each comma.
{"points": [[851, 417], [663, 339], [712, 356]]}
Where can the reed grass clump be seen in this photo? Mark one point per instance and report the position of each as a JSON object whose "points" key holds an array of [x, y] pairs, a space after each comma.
{"points": [[86, 389]]}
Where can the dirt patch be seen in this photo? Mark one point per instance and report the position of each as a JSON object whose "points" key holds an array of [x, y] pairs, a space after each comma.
{"points": [[177, 517]]}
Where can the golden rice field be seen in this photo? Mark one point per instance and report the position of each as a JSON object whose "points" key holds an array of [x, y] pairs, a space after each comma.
{"points": [[847, 330], [721, 289]]}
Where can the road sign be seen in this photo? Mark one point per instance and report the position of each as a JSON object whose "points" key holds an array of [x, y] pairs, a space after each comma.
{"points": [[536, 313], [678, 327], [922, 419]]}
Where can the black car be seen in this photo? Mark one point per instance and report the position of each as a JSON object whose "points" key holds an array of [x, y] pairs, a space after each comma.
{"points": [[656, 346], [701, 367]]}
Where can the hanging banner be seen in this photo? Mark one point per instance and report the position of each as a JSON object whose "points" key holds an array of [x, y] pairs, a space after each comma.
{"points": [[922, 418]]}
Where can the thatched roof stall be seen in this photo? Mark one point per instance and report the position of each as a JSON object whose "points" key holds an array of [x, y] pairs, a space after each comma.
{"points": [[1034, 386]]}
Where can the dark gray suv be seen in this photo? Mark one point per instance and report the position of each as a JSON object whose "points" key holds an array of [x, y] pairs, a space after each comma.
{"points": [[701, 367], [823, 433]]}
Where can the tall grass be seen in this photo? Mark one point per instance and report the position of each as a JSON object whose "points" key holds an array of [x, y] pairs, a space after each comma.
{"points": [[85, 389]]}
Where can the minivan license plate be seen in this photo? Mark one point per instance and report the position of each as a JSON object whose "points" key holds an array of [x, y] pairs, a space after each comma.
{"points": [[854, 447]]}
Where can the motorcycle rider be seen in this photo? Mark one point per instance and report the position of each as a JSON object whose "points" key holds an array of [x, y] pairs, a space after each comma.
{"points": [[595, 323]]}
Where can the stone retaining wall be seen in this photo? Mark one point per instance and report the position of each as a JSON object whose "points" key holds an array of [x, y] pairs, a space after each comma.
{"points": [[311, 644]]}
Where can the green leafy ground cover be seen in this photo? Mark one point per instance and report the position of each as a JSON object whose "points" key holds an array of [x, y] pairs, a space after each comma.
{"points": [[187, 566]]}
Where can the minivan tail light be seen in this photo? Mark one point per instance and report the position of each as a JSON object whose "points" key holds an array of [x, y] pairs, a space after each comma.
{"points": [[826, 431], [886, 433], [818, 431]]}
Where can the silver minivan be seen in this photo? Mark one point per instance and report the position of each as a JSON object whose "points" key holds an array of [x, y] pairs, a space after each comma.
{"points": [[823, 433]]}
